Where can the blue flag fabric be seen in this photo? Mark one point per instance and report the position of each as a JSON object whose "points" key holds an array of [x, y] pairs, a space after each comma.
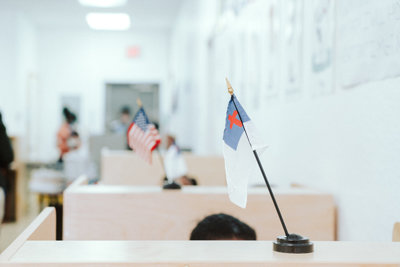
{"points": [[141, 119], [233, 126]]}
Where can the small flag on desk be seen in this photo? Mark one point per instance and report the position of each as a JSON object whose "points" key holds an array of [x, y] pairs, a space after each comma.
{"points": [[238, 154], [143, 136]]}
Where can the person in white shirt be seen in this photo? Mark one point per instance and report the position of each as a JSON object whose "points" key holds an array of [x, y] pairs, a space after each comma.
{"points": [[175, 165]]}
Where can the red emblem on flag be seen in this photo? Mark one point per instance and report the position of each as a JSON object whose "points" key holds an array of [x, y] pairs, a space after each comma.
{"points": [[233, 120]]}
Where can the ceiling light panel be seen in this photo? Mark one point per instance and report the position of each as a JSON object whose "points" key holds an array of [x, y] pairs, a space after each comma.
{"points": [[102, 3], [108, 21]]}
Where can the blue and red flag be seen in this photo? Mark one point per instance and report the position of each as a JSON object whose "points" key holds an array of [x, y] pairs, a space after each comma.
{"points": [[143, 137], [240, 139]]}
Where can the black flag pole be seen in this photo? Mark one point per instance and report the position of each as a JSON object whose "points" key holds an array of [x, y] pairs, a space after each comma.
{"points": [[290, 243]]}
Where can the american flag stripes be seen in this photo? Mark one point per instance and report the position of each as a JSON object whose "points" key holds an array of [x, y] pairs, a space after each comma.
{"points": [[143, 137]]}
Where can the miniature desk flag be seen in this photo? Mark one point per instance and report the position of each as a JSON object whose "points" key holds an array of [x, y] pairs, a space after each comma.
{"points": [[143, 136], [240, 141], [239, 133]]}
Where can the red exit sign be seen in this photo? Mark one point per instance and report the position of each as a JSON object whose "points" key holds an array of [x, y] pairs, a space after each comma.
{"points": [[133, 51]]}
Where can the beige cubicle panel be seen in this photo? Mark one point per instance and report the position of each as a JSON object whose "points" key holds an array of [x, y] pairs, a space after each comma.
{"points": [[201, 254], [105, 212], [42, 228], [207, 170], [120, 167]]}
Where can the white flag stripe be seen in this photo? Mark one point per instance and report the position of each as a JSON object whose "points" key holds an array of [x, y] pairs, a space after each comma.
{"points": [[241, 166]]}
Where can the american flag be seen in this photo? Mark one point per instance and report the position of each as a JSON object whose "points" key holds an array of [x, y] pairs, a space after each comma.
{"points": [[143, 137]]}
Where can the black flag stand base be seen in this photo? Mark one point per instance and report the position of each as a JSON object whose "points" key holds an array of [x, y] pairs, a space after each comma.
{"points": [[172, 185], [293, 243], [169, 185]]}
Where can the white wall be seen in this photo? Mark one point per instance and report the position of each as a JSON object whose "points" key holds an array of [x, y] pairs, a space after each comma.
{"points": [[18, 66], [7, 66], [79, 63], [342, 140], [188, 75], [39, 66], [26, 82]]}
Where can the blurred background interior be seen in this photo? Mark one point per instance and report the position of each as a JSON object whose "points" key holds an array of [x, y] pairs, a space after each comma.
{"points": [[319, 78]]}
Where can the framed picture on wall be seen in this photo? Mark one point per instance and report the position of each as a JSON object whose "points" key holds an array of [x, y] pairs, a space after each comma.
{"points": [[292, 27], [271, 49], [322, 47]]}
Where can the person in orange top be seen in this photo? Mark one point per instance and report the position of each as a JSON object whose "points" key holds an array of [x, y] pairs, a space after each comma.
{"points": [[67, 137]]}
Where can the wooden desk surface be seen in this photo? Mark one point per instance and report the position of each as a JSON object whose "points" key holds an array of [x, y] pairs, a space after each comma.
{"points": [[204, 253]]}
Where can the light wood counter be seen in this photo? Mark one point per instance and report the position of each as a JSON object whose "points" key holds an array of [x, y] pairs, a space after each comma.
{"points": [[202, 253]]}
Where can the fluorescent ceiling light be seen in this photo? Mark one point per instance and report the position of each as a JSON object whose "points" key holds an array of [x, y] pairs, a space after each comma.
{"points": [[102, 3], [108, 21]]}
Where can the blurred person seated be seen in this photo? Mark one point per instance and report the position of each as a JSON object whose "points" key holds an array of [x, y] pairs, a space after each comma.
{"points": [[6, 157], [185, 180], [222, 227], [121, 125], [67, 136], [178, 182]]}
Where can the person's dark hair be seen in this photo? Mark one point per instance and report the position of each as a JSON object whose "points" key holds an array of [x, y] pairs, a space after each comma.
{"points": [[74, 134], [190, 180], [193, 181], [156, 125], [126, 110], [222, 227], [69, 116]]}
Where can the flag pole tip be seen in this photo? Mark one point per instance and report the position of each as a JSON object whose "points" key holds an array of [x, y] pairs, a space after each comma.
{"points": [[228, 84], [139, 102]]}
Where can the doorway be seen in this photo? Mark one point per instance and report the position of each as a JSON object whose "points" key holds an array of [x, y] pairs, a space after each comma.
{"points": [[119, 95]]}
